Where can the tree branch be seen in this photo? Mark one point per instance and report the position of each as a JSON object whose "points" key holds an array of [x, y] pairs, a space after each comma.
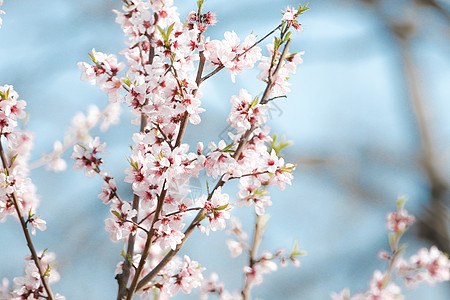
{"points": [[30, 245]]}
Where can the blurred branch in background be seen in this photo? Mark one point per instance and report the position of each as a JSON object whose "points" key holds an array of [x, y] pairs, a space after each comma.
{"points": [[435, 5], [434, 224]]}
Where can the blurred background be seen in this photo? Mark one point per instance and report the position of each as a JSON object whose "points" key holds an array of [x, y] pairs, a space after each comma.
{"points": [[369, 115]]}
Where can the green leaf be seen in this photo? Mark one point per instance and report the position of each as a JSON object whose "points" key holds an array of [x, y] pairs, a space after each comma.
{"points": [[126, 256], [227, 148], [401, 202], [277, 44], [30, 215], [288, 35], [279, 145], [169, 30], [260, 192], [127, 81], [200, 4], [202, 216], [302, 9], [401, 248], [82, 147], [94, 60], [221, 207], [13, 159], [254, 102], [129, 259], [160, 156], [118, 215], [47, 271], [134, 164], [163, 33], [392, 240], [296, 250], [43, 252]]}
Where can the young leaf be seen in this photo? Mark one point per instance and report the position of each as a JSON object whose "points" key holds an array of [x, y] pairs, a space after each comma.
{"points": [[288, 35], [200, 4], [94, 60], [227, 148], [163, 33], [118, 215], [222, 207], [169, 30], [13, 159]]}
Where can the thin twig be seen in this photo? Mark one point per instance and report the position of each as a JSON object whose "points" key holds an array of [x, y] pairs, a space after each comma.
{"points": [[30, 245], [195, 222], [148, 244], [200, 215], [122, 279], [257, 237], [271, 77], [216, 70]]}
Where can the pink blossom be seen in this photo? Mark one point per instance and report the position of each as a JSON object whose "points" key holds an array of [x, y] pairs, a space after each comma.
{"points": [[235, 227], [217, 209], [280, 84], [289, 16], [169, 238], [110, 115], [4, 287], [246, 112], [218, 162], [430, 266], [211, 285], [190, 275], [379, 289], [235, 247], [37, 223], [265, 265], [399, 221], [119, 225], [54, 160], [109, 188], [230, 53], [88, 159], [31, 282], [343, 295]]}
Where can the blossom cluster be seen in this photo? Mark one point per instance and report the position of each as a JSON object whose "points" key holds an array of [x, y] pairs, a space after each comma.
{"points": [[14, 178], [427, 266], [161, 88], [290, 15], [79, 132], [30, 285], [18, 196]]}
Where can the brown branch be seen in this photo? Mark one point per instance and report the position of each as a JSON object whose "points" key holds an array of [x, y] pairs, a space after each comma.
{"points": [[257, 237], [185, 118], [200, 215], [271, 77], [122, 279], [30, 245], [434, 226], [195, 222], [148, 244]]}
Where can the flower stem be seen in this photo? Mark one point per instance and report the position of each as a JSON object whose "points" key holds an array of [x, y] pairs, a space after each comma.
{"points": [[30, 245]]}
